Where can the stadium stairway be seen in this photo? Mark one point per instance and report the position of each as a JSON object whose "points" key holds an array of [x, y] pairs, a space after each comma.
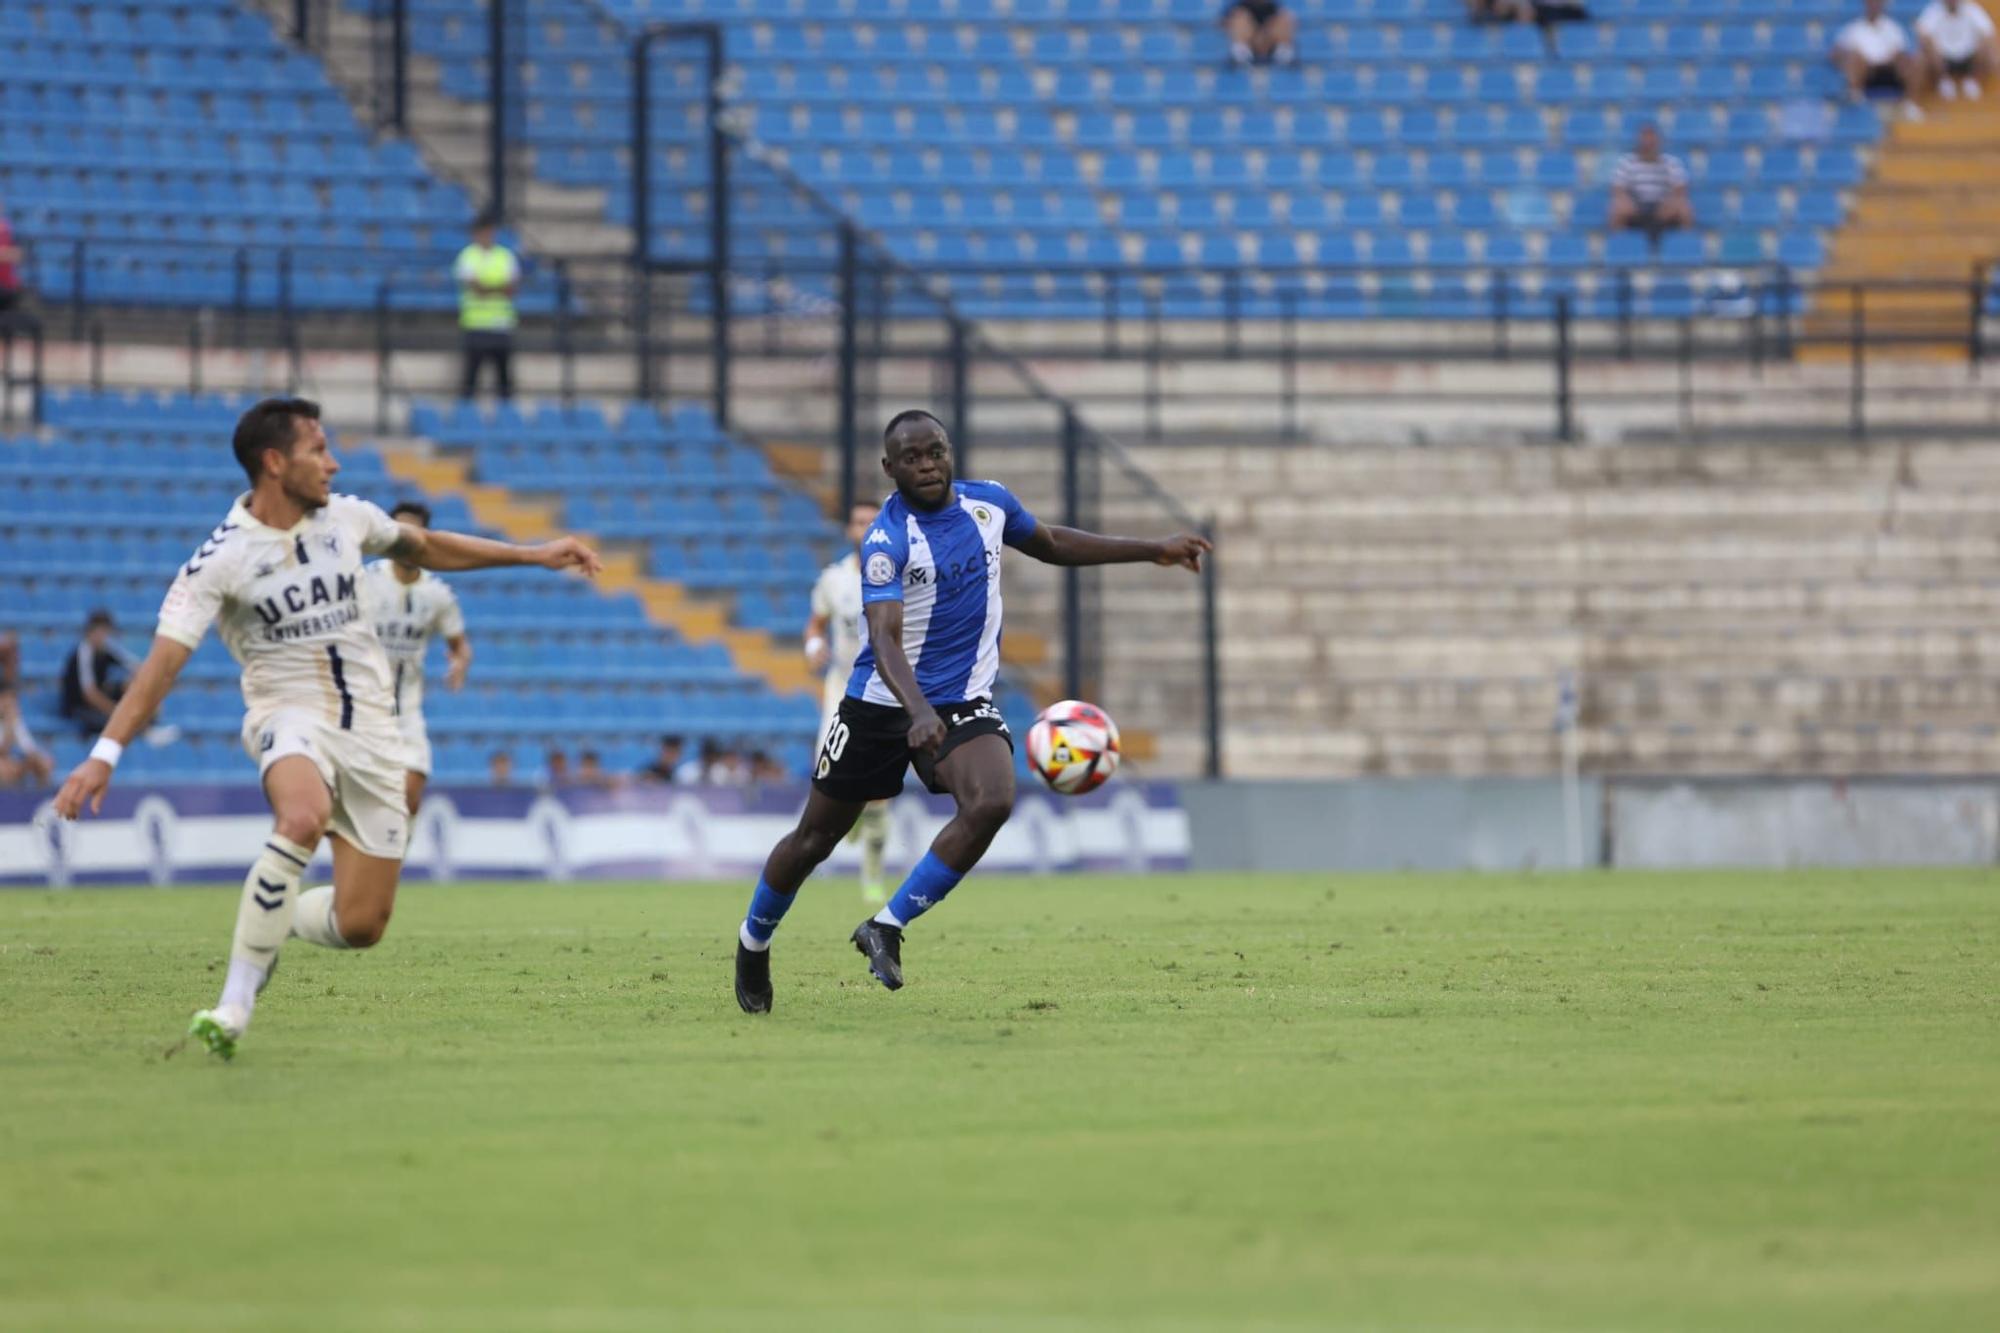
{"points": [[449, 469], [1930, 212]]}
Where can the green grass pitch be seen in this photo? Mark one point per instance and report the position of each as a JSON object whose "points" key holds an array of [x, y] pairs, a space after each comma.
{"points": [[1632, 1102]]}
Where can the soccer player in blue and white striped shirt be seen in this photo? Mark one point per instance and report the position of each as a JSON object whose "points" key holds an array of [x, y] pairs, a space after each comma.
{"points": [[921, 690]]}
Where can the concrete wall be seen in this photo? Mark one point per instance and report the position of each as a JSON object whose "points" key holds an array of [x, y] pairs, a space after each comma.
{"points": [[1510, 824]]}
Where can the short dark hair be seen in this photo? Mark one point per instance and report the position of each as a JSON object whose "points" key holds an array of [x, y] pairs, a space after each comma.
{"points": [[271, 424], [586, 756], [100, 616], [417, 507], [487, 218], [678, 742], [908, 414]]}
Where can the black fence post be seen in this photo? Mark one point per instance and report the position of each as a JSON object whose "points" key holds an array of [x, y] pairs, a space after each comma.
{"points": [[850, 354], [496, 106], [1072, 577], [97, 356], [961, 396], [718, 231], [302, 22], [1565, 419], [1211, 662], [382, 355], [399, 64], [1288, 364], [1685, 357], [77, 256], [565, 343], [1975, 339]]}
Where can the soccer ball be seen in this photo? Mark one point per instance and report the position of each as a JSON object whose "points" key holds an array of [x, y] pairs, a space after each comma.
{"points": [[1074, 747]]}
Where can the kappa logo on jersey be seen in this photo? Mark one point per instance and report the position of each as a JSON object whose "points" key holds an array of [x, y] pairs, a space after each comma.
{"points": [[880, 569], [877, 538]]}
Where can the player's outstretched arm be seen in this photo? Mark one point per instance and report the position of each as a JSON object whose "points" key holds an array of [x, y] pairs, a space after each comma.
{"points": [[149, 688], [447, 552], [885, 635], [1054, 545]]}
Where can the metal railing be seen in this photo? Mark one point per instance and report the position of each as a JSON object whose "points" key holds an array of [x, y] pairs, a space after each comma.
{"points": [[21, 367]]}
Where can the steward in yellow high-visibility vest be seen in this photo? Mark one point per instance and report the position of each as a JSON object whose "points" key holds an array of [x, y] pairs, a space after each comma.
{"points": [[488, 275]]}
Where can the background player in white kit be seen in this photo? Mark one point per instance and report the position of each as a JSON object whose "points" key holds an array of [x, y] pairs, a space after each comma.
{"points": [[282, 575], [833, 642], [408, 604]]}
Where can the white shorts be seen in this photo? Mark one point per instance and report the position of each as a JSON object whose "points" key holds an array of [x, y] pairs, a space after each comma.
{"points": [[363, 769], [416, 742]]}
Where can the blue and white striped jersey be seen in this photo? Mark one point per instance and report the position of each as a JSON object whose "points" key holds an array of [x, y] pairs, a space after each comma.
{"points": [[944, 567]]}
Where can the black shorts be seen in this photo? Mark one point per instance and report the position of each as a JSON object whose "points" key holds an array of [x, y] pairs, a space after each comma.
{"points": [[866, 751], [1260, 11], [1884, 78], [1958, 69]]}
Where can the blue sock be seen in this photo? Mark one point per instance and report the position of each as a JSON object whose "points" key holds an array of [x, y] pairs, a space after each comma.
{"points": [[930, 880], [767, 909]]}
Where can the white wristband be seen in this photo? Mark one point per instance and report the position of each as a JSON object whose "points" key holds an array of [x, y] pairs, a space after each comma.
{"points": [[107, 750], [815, 644]]}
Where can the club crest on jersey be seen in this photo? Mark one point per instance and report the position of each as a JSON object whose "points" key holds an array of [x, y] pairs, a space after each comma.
{"points": [[267, 568], [331, 542], [982, 514], [880, 569]]}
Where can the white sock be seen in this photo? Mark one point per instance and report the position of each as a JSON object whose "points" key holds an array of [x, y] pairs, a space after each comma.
{"points": [[1239, 53], [263, 918], [1948, 89], [1970, 87], [315, 922], [874, 838], [1285, 55], [889, 918], [751, 942]]}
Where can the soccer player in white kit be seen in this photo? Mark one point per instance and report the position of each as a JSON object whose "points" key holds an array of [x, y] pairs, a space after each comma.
{"points": [[282, 575], [833, 641], [409, 604]]}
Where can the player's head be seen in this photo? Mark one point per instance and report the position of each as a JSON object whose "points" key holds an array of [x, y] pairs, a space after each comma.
{"points": [[671, 748], [858, 519], [916, 453], [486, 228], [1649, 140], [98, 627], [414, 512], [280, 444]]}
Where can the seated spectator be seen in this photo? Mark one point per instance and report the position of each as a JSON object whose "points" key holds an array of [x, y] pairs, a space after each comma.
{"points": [[1500, 11], [1958, 47], [671, 765], [96, 674], [499, 769], [1261, 32], [590, 771], [557, 764], [1649, 189], [11, 259], [1874, 53], [722, 767], [23, 762], [764, 770]]}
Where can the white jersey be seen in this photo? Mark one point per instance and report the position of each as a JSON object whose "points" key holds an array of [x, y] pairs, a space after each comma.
{"points": [[289, 603], [406, 615], [837, 597]]}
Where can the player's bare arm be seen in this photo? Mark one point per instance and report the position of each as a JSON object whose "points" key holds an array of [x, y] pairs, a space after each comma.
{"points": [[150, 686], [1055, 545], [448, 552], [885, 634], [458, 660]]}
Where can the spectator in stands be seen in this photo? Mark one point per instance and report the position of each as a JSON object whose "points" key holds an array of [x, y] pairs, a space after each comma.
{"points": [[558, 769], [95, 675], [22, 760], [671, 765], [722, 767], [1874, 52], [488, 275], [500, 769], [1500, 11], [590, 771], [764, 770], [1958, 47], [11, 259], [1649, 189], [1261, 32]]}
